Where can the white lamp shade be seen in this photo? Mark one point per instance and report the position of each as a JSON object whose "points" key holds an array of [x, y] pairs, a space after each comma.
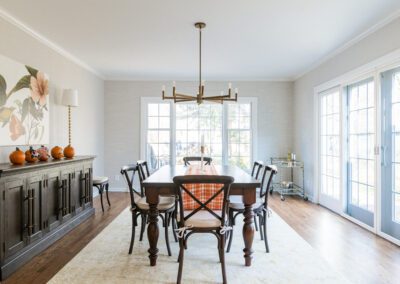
{"points": [[70, 98]]}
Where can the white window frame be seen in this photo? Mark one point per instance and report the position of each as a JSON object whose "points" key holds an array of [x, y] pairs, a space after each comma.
{"points": [[156, 100]]}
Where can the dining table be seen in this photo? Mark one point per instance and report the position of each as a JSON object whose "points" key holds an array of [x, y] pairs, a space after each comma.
{"points": [[160, 183]]}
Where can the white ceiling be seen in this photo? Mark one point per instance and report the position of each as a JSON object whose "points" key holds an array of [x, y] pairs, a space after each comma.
{"points": [[243, 40]]}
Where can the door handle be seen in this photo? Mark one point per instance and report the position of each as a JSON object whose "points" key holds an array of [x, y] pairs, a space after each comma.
{"points": [[383, 149]]}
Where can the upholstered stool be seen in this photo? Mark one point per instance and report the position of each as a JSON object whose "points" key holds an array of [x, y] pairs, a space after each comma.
{"points": [[102, 184]]}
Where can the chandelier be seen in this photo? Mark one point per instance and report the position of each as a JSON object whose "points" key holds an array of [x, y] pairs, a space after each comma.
{"points": [[199, 98]]}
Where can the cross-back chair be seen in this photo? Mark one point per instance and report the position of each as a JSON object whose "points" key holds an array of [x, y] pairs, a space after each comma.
{"points": [[260, 208], [187, 160], [140, 207], [202, 219]]}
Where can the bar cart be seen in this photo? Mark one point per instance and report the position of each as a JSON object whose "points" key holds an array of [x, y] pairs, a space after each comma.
{"points": [[284, 181]]}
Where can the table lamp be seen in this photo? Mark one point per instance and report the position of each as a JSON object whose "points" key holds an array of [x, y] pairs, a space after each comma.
{"points": [[69, 99]]}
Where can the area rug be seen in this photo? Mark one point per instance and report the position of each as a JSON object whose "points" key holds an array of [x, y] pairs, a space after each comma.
{"points": [[106, 260]]}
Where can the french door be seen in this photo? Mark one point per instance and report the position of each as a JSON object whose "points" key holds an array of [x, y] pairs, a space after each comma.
{"points": [[358, 158], [330, 149], [390, 165], [360, 132]]}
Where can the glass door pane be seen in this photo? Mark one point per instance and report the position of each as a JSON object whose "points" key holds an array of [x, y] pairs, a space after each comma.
{"points": [[330, 175], [391, 153], [360, 150]]}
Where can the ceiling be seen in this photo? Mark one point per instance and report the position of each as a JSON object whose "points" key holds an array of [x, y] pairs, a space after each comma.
{"points": [[243, 40]]}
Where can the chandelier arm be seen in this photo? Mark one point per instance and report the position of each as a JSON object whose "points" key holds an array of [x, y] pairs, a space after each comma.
{"points": [[231, 100], [214, 101], [185, 100], [217, 97], [183, 96]]}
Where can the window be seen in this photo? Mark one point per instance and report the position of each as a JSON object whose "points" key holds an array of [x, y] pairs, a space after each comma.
{"points": [[330, 144], [193, 121], [158, 134], [361, 143], [239, 134], [173, 131]]}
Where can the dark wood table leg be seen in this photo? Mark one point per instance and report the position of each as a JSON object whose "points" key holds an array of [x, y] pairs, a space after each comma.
{"points": [[249, 199], [152, 228]]}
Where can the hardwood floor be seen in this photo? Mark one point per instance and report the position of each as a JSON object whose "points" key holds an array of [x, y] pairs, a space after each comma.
{"points": [[359, 255], [354, 252]]}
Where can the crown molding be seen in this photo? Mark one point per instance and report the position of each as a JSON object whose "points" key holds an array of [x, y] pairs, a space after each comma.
{"points": [[188, 79], [42, 39], [350, 43]]}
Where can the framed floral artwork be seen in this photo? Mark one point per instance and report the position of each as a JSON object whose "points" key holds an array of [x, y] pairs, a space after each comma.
{"points": [[24, 104]]}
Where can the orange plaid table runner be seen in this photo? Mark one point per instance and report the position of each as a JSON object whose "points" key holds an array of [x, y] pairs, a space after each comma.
{"points": [[203, 192]]}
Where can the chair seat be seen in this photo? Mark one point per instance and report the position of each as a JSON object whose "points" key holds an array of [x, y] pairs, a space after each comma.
{"points": [[203, 219], [99, 180], [237, 204], [166, 202]]}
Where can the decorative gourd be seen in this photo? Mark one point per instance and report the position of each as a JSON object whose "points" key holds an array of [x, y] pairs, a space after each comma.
{"points": [[57, 152], [17, 157], [31, 155], [43, 153], [69, 152]]}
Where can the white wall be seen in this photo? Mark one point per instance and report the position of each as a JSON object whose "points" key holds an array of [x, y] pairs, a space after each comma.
{"points": [[88, 118], [122, 118], [372, 47]]}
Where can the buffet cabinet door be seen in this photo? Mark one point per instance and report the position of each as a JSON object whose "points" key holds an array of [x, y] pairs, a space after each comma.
{"points": [[34, 215], [65, 195], [87, 186], [15, 212], [77, 186], [52, 202]]}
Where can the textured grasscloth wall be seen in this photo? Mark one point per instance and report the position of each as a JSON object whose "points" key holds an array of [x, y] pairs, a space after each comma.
{"points": [[372, 47], [88, 118], [122, 118]]}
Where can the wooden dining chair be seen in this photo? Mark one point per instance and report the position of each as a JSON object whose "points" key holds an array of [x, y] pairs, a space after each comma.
{"points": [[260, 208], [255, 172], [144, 172], [202, 219], [257, 166], [187, 160], [140, 207]]}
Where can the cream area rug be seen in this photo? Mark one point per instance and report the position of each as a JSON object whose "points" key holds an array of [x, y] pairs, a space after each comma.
{"points": [[106, 260]]}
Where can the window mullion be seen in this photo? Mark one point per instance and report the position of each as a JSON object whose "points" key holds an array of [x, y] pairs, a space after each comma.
{"points": [[172, 147], [225, 134]]}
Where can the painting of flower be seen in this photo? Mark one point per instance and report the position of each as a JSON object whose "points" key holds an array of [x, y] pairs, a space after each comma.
{"points": [[24, 107], [39, 88]]}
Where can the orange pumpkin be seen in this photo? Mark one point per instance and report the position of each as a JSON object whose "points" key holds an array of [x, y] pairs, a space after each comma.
{"points": [[57, 152], [69, 152], [43, 153], [31, 155], [17, 157]]}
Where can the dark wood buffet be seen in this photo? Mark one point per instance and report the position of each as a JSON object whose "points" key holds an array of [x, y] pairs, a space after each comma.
{"points": [[40, 203]]}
